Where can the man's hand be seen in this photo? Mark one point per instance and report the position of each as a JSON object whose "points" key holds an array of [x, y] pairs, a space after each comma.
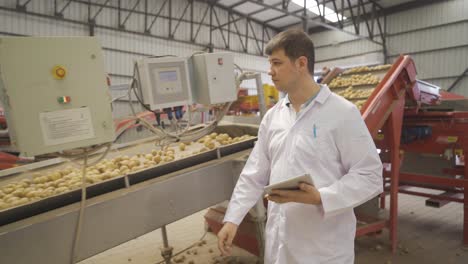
{"points": [[306, 194], [225, 237]]}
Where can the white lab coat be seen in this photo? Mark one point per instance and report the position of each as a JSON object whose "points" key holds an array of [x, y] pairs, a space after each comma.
{"points": [[341, 157]]}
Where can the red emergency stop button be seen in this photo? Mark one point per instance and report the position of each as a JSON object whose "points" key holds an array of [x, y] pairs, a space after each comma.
{"points": [[59, 72]]}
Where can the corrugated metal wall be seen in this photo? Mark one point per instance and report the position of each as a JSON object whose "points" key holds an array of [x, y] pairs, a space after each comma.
{"points": [[436, 36], [336, 48], [122, 48]]}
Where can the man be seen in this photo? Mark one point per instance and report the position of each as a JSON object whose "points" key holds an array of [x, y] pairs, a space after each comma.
{"points": [[310, 131]]}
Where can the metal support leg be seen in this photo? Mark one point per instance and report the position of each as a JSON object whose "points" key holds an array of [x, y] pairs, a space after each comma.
{"points": [[465, 193], [261, 95], [394, 131], [382, 199], [465, 216], [166, 251]]}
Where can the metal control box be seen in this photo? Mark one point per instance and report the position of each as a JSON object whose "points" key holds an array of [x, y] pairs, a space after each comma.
{"points": [[55, 93], [164, 82], [213, 78]]}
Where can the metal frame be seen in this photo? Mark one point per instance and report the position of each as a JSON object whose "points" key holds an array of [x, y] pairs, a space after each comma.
{"points": [[459, 78], [444, 124], [212, 8], [365, 12], [148, 205]]}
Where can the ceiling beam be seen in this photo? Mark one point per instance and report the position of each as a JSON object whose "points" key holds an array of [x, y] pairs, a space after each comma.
{"points": [[410, 5], [232, 11], [387, 11]]}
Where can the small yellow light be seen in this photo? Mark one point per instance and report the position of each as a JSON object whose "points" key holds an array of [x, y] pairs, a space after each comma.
{"points": [[59, 72]]}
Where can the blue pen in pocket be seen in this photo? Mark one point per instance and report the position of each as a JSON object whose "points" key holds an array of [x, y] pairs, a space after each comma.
{"points": [[315, 131]]}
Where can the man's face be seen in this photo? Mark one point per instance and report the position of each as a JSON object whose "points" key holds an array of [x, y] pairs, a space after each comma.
{"points": [[283, 71]]}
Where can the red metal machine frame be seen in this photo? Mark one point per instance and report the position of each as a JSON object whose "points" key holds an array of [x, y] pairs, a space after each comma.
{"points": [[449, 132], [383, 112]]}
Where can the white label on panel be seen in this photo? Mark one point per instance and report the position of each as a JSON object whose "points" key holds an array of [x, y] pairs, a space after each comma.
{"points": [[65, 126]]}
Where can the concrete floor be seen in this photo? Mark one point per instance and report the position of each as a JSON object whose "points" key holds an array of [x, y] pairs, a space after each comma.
{"points": [[426, 235]]}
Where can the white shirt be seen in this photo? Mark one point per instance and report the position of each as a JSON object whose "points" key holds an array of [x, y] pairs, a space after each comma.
{"points": [[292, 111], [330, 141]]}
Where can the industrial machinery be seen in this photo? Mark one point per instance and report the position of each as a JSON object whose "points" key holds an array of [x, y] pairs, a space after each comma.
{"points": [[249, 104], [51, 79], [420, 130], [211, 74], [433, 150], [138, 188], [382, 93], [164, 82]]}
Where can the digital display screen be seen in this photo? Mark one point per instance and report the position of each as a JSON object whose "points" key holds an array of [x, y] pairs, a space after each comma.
{"points": [[168, 76]]}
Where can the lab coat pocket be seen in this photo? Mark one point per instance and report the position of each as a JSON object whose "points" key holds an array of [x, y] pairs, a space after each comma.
{"points": [[314, 145]]}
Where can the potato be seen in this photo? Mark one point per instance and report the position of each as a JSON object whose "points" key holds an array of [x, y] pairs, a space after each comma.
{"points": [[55, 176], [20, 201], [182, 146], [89, 179], [31, 194], [75, 185], [157, 159], [115, 173], [37, 180], [26, 181], [131, 164], [18, 192], [3, 205], [210, 145], [168, 150], [10, 199], [61, 190], [168, 158]]}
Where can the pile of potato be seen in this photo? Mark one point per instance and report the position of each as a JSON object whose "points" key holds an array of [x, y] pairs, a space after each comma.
{"points": [[351, 93], [367, 69], [354, 80], [42, 185]]}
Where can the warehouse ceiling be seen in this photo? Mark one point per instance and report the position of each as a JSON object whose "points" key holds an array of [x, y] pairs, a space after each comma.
{"points": [[321, 14], [237, 25]]}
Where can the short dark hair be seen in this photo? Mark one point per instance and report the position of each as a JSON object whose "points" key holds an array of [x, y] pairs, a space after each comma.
{"points": [[295, 43]]}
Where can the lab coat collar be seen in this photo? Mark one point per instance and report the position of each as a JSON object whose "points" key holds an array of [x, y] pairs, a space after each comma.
{"points": [[321, 97]]}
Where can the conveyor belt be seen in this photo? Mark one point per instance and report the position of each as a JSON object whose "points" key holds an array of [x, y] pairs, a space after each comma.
{"points": [[53, 202], [122, 208]]}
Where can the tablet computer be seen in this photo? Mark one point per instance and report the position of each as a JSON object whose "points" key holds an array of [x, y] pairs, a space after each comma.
{"points": [[289, 184]]}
